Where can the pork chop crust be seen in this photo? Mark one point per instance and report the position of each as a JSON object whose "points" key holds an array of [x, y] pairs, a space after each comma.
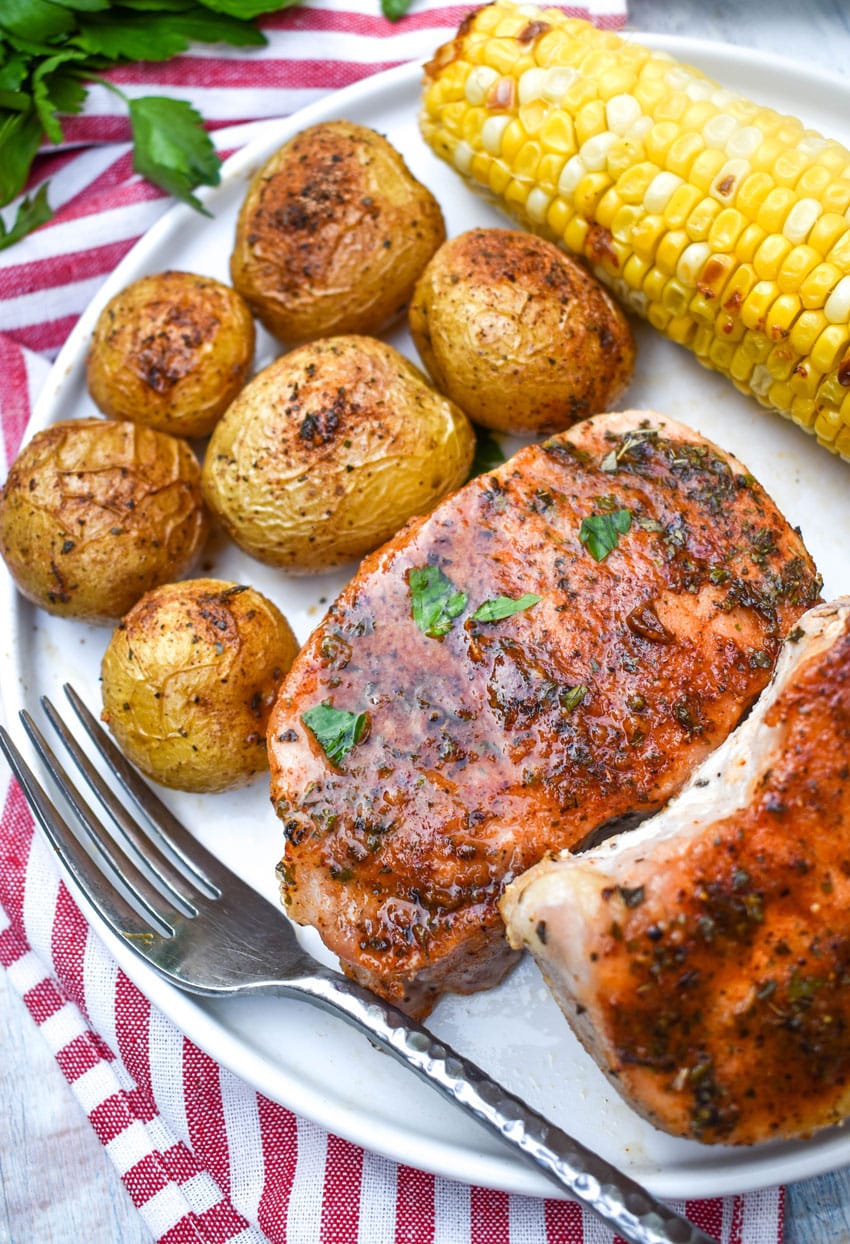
{"points": [[483, 748]]}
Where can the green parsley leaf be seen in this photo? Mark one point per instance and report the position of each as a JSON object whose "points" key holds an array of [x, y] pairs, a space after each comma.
{"points": [[436, 600], [334, 729], [600, 533], [503, 607], [488, 453], [31, 213], [247, 9], [20, 139], [394, 9], [38, 20], [570, 697], [171, 147]]}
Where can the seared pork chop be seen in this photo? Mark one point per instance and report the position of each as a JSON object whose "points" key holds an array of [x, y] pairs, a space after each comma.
{"points": [[431, 741], [704, 960]]}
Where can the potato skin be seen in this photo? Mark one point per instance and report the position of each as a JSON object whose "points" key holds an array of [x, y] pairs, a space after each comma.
{"points": [[519, 334], [189, 678], [329, 450], [95, 512], [171, 351], [332, 235]]}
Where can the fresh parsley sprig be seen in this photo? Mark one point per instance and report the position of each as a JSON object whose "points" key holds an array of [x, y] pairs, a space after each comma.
{"points": [[52, 50]]}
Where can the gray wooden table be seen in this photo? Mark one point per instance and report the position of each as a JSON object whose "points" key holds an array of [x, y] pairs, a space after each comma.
{"points": [[56, 1183]]}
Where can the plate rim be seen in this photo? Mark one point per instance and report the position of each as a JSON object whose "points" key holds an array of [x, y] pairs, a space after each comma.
{"points": [[192, 1015]]}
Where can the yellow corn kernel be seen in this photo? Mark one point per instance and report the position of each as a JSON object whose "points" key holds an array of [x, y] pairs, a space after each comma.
{"points": [[676, 297], [757, 304], [669, 249], [575, 235], [775, 207], [726, 228], [516, 193], [646, 235], [781, 395], [827, 231], [752, 192], [740, 283], [781, 316], [671, 107], [789, 166], [721, 353], [805, 331], [558, 133], [558, 216], [803, 411], [658, 140], [701, 218], [632, 185], [480, 168], [715, 274], [654, 284], [839, 253], [749, 242], [829, 347], [705, 167], [658, 317], [681, 329], [741, 365], [730, 327], [549, 171], [836, 197], [702, 309], [589, 191], [805, 380], [816, 286], [813, 181], [624, 223], [635, 271], [499, 177], [513, 138], [681, 203], [607, 207], [527, 160], [780, 361], [826, 425], [590, 120], [683, 151], [768, 258], [796, 265]]}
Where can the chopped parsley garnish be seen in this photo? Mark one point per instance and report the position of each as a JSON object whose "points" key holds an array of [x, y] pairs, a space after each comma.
{"points": [[569, 698], [600, 533], [335, 729], [488, 453], [436, 601], [503, 607]]}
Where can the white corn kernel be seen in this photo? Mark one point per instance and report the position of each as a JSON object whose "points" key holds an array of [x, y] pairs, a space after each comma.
{"points": [[537, 204], [678, 78], [621, 111], [719, 129], [462, 157], [691, 262], [531, 85], [837, 306], [760, 380], [722, 97], [725, 185], [478, 83], [638, 131], [811, 143], [745, 140], [699, 89], [799, 221], [659, 190], [594, 152], [492, 131], [558, 81], [571, 175]]}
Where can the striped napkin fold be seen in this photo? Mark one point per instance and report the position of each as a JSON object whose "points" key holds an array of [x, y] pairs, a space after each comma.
{"points": [[203, 1156]]}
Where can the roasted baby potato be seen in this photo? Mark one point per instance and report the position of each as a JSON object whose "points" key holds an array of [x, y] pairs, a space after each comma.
{"points": [[329, 450], [171, 351], [332, 235], [95, 512], [520, 335], [189, 679]]}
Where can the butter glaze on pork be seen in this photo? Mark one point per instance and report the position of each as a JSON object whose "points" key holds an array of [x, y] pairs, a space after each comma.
{"points": [[477, 759], [704, 960]]}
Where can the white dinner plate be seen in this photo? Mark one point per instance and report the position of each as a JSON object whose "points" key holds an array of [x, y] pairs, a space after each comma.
{"points": [[310, 1061]]}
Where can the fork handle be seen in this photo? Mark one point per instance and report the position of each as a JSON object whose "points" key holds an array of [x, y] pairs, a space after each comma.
{"points": [[636, 1215]]}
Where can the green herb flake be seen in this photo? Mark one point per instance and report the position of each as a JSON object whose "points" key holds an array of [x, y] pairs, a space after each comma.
{"points": [[569, 698], [503, 607], [632, 897], [600, 533], [335, 729], [435, 599], [488, 453]]}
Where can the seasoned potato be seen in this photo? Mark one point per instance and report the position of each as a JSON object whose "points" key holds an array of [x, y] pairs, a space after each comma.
{"points": [[171, 351], [518, 333], [189, 679], [329, 450], [332, 235], [95, 512]]}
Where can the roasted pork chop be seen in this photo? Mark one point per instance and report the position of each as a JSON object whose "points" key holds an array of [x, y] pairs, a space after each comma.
{"points": [[704, 960], [556, 646]]}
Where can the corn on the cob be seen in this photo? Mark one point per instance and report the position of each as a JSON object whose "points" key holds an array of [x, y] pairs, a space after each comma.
{"points": [[723, 223]]}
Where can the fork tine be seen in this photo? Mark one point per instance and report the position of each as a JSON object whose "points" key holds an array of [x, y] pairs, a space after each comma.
{"points": [[116, 860], [109, 903], [173, 837], [151, 858]]}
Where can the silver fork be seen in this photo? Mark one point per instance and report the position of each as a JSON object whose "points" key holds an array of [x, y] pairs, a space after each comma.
{"points": [[204, 930]]}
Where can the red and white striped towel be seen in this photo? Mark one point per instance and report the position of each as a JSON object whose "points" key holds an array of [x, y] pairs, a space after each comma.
{"points": [[203, 1156]]}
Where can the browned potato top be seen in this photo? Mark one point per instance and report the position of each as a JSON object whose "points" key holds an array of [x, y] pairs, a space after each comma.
{"points": [[520, 335], [333, 233], [95, 512], [329, 450], [171, 351]]}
